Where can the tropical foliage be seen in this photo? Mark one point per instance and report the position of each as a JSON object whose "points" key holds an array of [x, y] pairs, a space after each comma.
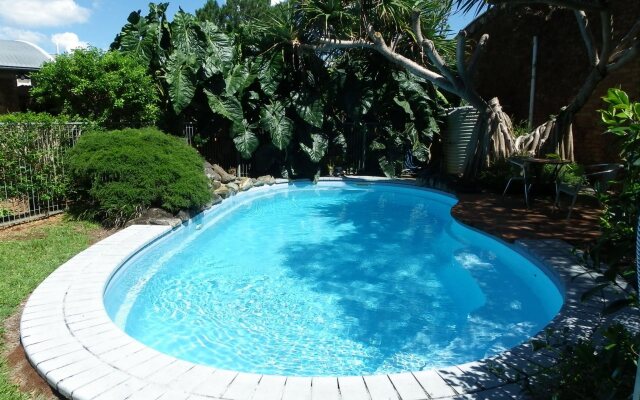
{"points": [[614, 248], [290, 111], [116, 175], [108, 88]]}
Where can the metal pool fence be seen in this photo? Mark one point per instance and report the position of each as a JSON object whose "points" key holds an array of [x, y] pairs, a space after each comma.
{"points": [[32, 175], [219, 149]]}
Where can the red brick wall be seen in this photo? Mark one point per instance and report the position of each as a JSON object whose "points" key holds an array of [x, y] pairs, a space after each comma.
{"points": [[504, 69]]}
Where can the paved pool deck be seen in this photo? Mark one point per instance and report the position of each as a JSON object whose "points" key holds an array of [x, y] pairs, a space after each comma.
{"points": [[73, 344]]}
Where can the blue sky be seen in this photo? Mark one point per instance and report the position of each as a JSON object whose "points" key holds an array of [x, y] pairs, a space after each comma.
{"points": [[61, 25]]}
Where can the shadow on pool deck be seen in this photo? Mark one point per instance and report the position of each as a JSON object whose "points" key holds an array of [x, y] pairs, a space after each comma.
{"points": [[508, 218]]}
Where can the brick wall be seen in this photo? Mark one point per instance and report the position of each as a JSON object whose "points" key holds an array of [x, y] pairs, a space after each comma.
{"points": [[504, 69]]}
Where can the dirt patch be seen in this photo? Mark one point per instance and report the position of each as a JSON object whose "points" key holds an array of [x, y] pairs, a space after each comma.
{"points": [[25, 231], [21, 372], [99, 234]]}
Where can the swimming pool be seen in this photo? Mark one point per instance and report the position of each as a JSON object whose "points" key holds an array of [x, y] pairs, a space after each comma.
{"points": [[332, 279]]}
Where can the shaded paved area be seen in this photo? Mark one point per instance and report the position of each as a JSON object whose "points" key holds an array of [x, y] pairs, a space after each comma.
{"points": [[509, 219]]}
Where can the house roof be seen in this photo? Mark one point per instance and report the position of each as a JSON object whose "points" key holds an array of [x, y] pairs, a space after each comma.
{"points": [[20, 55]]}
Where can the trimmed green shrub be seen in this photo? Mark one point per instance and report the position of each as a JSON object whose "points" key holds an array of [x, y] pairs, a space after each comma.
{"points": [[116, 175]]}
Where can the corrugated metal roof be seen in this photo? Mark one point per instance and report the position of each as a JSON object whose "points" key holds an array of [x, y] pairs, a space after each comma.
{"points": [[16, 54]]}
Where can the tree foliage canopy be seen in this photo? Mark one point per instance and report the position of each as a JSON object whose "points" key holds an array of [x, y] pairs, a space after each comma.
{"points": [[287, 109], [109, 88]]}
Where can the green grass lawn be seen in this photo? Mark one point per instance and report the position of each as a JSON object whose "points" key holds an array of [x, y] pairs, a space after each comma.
{"points": [[28, 255]]}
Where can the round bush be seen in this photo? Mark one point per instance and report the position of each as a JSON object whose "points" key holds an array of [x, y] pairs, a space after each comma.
{"points": [[116, 175]]}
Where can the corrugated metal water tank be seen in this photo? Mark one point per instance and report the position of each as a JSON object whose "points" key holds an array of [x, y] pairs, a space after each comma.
{"points": [[457, 139]]}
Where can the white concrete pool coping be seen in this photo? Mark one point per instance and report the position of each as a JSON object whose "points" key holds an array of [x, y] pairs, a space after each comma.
{"points": [[73, 344]]}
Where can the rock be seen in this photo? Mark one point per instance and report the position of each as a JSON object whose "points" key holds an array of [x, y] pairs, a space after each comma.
{"points": [[155, 216], [184, 215], [267, 179], [215, 184], [233, 187], [246, 184], [257, 182], [224, 176], [215, 199], [210, 173], [222, 191]]}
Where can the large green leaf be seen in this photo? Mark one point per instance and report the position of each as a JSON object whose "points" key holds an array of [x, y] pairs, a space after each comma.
{"points": [[238, 79], [185, 35], [404, 104], [245, 140], [270, 73], [387, 167], [139, 38], [228, 107], [310, 110], [410, 85], [274, 121], [181, 80], [318, 147], [421, 152], [340, 142], [218, 49]]}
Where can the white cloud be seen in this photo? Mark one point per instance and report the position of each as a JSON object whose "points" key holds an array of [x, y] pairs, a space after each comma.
{"points": [[43, 12], [9, 33], [68, 41]]}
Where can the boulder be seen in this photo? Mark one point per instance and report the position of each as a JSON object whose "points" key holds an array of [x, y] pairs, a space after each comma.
{"points": [[215, 185], [257, 182], [215, 199], [233, 188], [184, 215], [210, 173], [246, 184], [224, 176], [155, 216], [223, 191], [267, 179]]}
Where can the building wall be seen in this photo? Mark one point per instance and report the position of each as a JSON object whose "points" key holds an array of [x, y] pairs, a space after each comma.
{"points": [[504, 70], [9, 94]]}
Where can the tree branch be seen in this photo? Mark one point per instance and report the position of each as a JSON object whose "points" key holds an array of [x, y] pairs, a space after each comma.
{"points": [[633, 32], [607, 33], [460, 52], [482, 43], [431, 51], [570, 4], [587, 36], [329, 44], [624, 56], [381, 47]]}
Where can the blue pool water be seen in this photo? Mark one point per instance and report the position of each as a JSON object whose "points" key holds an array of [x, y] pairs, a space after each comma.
{"points": [[331, 279]]}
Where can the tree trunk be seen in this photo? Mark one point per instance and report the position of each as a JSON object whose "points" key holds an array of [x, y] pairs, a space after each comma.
{"points": [[553, 137], [493, 137], [556, 135]]}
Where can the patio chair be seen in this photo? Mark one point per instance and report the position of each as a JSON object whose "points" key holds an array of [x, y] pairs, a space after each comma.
{"points": [[598, 178], [523, 174]]}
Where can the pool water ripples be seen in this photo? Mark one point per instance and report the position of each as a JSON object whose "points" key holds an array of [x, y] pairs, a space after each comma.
{"points": [[332, 280]]}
